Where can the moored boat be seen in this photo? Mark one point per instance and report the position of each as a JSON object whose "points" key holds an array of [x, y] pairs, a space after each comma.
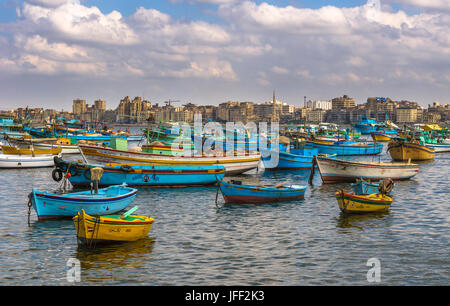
{"points": [[235, 192], [26, 161], [351, 203], [401, 150], [92, 230], [234, 164], [380, 137], [11, 150], [346, 148], [337, 170], [108, 200], [142, 175], [439, 147]]}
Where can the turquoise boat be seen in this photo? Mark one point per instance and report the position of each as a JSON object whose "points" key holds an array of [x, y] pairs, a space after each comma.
{"points": [[346, 148], [299, 158], [236, 192], [362, 187], [140, 175], [106, 201]]}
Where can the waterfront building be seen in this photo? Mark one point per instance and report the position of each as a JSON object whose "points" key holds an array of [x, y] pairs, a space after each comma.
{"points": [[406, 115], [316, 115], [342, 102]]}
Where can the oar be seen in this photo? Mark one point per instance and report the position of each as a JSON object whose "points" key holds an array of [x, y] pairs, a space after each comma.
{"points": [[281, 184], [126, 214]]}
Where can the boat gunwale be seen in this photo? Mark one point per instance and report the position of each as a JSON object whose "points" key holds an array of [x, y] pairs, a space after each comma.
{"points": [[392, 165]]}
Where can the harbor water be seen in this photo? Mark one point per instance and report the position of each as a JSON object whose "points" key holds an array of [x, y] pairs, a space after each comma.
{"points": [[193, 241]]}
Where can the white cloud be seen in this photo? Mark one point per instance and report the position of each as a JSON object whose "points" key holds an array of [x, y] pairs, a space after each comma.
{"points": [[78, 22], [253, 46], [205, 69], [280, 70]]}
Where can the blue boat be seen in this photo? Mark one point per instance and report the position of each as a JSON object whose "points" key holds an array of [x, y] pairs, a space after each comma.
{"points": [[235, 192], [362, 187], [370, 125], [142, 175], [297, 159], [107, 201], [345, 148]]}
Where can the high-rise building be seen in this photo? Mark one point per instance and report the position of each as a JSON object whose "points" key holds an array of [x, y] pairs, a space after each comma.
{"points": [[342, 102], [100, 105], [79, 106]]}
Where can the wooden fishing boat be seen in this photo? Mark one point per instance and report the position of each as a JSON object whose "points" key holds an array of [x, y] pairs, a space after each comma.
{"points": [[65, 149], [297, 159], [402, 150], [93, 230], [234, 164], [351, 203], [109, 200], [139, 175], [235, 192], [380, 137], [346, 148], [439, 147], [26, 161], [337, 170], [10, 150]]}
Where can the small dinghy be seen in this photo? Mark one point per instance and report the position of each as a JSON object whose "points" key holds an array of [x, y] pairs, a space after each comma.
{"points": [[93, 230], [104, 201], [357, 204], [235, 192]]}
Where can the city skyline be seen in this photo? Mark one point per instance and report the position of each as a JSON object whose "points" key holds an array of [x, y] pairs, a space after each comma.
{"points": [[211, 51]]}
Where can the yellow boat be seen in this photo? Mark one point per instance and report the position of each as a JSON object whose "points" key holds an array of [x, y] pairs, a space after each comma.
{"points": [[92, 230], [403, 151], [379, 137], [10, 150], [351, 203]]}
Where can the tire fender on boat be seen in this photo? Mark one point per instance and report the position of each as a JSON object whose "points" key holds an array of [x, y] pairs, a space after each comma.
{"points": [[57, 174]]}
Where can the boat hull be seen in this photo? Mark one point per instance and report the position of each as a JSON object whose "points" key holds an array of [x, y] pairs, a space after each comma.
{"points": [[65, 149], [110, 229], [439, 148], [380, 137], [145, 175], [233, 164], [337, 171], [347, 150], [248, 194], [401, 151], [26, 161], [55, 206], [359, 204]]}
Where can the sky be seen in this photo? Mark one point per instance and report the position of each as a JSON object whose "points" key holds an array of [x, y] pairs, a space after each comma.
{"points": [[212, 51]]}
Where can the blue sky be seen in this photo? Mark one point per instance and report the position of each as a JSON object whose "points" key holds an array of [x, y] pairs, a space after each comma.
{"points": [[204, 53], [179, 10]]}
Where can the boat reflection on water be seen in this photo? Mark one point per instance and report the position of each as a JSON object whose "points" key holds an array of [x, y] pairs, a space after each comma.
{"points": [[362, 221], [119, 255]]}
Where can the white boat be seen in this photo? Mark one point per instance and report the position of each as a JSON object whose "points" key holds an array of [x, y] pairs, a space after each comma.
{"points": [[26, 161], [65, 149], [235, 164], [337, 170], [439, 147]]}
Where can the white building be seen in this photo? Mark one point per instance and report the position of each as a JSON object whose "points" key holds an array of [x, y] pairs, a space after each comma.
{"points": [[316, 104]]}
